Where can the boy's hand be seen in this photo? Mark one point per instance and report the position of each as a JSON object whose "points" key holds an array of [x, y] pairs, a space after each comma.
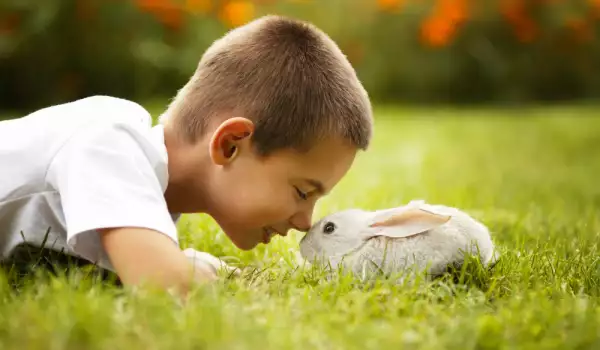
{"points": [[203, 260], [141, 255]]}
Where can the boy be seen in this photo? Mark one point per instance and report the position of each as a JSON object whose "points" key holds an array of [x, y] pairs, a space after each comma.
{"points": [[270, 121]]}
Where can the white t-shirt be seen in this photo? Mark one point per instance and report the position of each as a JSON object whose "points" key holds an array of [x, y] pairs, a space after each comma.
{"points": [[73, 168]]}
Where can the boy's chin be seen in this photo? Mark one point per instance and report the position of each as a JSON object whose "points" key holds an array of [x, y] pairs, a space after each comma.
{"points": [[245, 245], [243, 241]]}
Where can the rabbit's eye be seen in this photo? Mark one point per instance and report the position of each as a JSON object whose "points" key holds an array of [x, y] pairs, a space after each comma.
{"points": [[329, 227]]}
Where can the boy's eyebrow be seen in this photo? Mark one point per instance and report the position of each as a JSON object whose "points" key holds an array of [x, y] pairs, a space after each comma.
{"points": [[317, 184]]}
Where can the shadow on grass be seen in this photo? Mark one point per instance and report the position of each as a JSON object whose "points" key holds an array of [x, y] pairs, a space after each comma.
{"points": [[28, 263]]}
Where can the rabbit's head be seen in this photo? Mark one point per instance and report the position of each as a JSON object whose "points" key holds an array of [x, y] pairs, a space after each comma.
{"points": [[342, 233]]}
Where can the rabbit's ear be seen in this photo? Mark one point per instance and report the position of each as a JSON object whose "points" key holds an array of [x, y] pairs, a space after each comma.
{"points": [[406, 223]]}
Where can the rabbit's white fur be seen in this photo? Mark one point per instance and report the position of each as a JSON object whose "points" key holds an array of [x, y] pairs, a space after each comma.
{"points": [[409, 246]]}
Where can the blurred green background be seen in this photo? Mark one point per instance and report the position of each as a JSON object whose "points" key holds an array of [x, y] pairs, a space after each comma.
{"points": [[405, 51]]}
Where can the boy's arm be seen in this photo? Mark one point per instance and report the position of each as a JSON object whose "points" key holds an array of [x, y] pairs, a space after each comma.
{"points": [[111, 180], [141, 255]]}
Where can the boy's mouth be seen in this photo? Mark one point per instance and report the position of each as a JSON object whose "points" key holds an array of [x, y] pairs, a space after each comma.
{"points": [[268, 233]]}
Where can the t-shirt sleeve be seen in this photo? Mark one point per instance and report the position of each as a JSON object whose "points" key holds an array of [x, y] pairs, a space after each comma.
{"points": [[107, 176]]}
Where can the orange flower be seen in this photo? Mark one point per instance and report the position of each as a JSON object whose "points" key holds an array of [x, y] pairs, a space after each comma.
{"points": [[198, 6], [527, 31], [515, 12], [441, 26], [238, 12], [595, 4], [167, 12], [454, 10], [580, 28], [437, 31]]}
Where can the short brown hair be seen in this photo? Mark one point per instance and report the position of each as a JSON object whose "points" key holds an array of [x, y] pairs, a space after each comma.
{"points": [[285, 75]]}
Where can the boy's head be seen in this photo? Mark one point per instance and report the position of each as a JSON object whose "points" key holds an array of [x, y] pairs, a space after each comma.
{"points": [[278, 112]]}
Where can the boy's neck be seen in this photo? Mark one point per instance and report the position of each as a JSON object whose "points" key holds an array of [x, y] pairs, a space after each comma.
{"points": [[188, 166]]}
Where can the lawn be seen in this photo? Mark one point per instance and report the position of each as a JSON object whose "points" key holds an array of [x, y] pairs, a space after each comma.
{"points": [[531, 175]]}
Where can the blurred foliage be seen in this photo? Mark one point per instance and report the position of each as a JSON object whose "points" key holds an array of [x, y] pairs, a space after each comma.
{"points": [[404, 50]]}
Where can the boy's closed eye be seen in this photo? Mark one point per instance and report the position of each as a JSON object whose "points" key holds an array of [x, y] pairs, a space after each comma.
{"points": [[317, 189], [317, 185], [302, 195]]}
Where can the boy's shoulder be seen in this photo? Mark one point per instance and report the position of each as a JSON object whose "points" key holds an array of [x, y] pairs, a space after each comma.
{"points": [[120, 105], [91, 123], [93, 129], [105, 125], [104, 121], [61, 120], [102, 108]]}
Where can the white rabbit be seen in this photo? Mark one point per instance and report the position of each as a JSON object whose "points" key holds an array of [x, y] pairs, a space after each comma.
{"points": [[398, 240]]}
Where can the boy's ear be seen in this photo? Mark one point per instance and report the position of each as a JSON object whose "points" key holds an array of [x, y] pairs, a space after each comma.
{"points": [[230, 136], [405, 223]]}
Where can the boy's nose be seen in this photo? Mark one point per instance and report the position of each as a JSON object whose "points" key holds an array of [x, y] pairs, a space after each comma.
{"points": [[301, 222]]}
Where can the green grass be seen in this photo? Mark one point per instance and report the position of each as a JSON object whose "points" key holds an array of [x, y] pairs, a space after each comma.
{"points": [[533, 176]]}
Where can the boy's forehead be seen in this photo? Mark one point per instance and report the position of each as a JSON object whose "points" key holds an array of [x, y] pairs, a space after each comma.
{"points": [[319, 159]]}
